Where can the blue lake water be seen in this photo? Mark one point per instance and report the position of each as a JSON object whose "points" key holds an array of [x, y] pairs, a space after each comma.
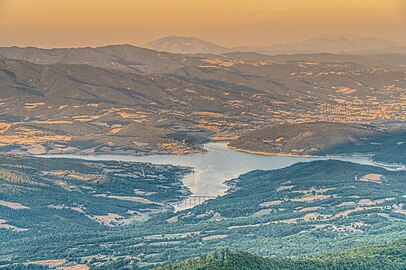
{"points": [[219, 164]]}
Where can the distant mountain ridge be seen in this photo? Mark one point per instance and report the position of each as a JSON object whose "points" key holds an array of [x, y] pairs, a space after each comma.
{"points": [[320, 44], [334, 44], [124, 57]]}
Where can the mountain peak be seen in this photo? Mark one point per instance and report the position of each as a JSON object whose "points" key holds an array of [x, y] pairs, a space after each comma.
{"points": [[185, 45]]}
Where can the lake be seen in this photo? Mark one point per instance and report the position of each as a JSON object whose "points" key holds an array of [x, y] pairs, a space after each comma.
{"points": [[219, 164]]}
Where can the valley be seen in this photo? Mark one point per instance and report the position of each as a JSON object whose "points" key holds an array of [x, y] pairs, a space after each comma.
{"points": [[202, 135], [120, 156]]}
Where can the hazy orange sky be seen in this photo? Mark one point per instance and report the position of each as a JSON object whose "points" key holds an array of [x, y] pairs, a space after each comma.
{"points": [[72, 23]]}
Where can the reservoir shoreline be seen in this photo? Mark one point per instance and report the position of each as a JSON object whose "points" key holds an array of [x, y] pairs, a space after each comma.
{"points": [[218, 164]]}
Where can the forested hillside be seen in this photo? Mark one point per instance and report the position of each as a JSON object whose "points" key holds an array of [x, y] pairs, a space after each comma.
{"points": [[326, 138], [65, 195], [375, 257], [307, 209]]}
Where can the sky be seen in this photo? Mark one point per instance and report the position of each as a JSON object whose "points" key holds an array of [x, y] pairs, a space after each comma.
{"points": [[79, 23]]}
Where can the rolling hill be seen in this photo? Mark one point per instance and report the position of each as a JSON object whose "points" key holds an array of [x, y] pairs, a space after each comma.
{"points": [[38, 194], [325, 138], [62, 106], [146, 101]]}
